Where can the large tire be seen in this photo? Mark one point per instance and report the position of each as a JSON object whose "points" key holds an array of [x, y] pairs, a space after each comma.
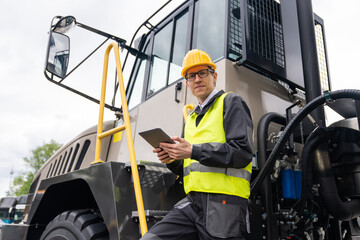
{"points": [[81, 224]]}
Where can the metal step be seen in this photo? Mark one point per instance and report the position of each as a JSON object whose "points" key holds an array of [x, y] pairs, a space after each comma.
{"points": [[150, 213]]}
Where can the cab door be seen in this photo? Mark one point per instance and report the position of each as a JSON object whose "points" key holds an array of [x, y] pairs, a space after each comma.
{"points": [[157, 102]]}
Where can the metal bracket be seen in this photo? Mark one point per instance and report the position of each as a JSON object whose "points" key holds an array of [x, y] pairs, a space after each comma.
{"points": [[328, 97]]}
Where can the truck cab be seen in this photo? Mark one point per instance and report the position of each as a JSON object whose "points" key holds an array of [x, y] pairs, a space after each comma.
{"points": [[259, 50]]}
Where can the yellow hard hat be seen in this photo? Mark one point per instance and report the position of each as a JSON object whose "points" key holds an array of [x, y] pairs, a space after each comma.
{"points": [[195, 58]]}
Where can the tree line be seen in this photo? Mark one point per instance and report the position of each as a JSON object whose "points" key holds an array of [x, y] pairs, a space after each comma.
{"points": [[22, 182]]}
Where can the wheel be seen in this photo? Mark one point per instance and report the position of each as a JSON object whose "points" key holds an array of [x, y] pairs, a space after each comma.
{"points": [[83, 224]]}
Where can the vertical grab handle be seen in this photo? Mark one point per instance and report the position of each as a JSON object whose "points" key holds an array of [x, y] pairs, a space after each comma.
{"points": [[126, 127]]}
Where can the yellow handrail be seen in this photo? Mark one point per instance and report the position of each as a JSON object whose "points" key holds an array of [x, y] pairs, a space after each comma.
{"points": [[185, 108], [126, 127]]}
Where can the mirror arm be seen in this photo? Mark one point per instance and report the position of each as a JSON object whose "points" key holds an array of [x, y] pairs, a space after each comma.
{"points": [[112, 108], [82, 61], [122, 44], [121, 41], [117, 39], [135, 52]]}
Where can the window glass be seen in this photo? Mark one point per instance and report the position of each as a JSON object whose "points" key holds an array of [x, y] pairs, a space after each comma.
{"points": [[210, 35], [139, 74], [179, 47], [160, 59], [4, 213]]}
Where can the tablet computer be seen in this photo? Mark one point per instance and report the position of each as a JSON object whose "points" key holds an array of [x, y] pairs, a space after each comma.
{"points": [[155, 136]]}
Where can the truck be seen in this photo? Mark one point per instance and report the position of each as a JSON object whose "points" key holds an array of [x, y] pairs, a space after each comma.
{"points": [[107, 184], [7, 208], [17, 216]]}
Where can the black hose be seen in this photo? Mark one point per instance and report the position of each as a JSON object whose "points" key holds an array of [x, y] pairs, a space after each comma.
{"points": [[313, 104]]}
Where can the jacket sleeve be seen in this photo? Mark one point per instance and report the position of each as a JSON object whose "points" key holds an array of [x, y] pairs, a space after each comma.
{"points": [[176, 167], [237, 152]]}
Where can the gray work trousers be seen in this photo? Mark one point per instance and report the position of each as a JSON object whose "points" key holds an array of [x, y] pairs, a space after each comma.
{"points": [[203, 216]]}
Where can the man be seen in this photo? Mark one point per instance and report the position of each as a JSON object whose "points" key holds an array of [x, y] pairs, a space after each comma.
{"points": [[214, 159]]}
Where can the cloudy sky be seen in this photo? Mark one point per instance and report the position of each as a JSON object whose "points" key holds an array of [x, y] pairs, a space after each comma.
{"points": [[33, 111]]}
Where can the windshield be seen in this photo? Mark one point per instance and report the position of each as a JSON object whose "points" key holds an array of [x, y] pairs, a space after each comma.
{"points": [[167, 45], [4, 213]]}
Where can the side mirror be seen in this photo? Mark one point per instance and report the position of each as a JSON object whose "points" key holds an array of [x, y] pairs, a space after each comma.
{"points": [[58, 54], [63, 24]]}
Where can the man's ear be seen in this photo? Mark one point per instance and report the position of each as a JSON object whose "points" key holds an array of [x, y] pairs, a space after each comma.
{"points": [[215, 78], [187, 84]]}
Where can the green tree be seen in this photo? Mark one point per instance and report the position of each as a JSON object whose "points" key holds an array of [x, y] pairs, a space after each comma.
{"points": [[21, 183]]}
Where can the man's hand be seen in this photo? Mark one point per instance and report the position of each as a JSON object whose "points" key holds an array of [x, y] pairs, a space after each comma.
{"points": [[180, 150], [163, 156]]}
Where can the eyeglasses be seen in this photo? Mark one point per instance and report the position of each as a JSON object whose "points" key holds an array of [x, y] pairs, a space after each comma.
{"points": [[202, 74]]}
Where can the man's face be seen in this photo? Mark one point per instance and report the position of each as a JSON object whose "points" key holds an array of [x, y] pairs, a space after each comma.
{"points": [[201, 87]]}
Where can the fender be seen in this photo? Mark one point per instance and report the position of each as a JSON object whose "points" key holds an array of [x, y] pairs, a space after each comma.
{"points": [[105, 187]]}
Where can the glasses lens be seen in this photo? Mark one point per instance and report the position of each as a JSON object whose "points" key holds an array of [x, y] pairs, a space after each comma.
{"points": [[203, 73], [191, 76]]}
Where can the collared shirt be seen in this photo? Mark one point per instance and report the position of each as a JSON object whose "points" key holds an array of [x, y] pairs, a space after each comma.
{"points": [[208, 98]]}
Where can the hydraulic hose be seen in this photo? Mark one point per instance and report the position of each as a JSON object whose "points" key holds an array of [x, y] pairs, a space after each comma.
{"points": [[308, 108]]}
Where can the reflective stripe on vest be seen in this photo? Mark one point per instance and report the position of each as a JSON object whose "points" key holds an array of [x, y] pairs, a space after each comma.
{"points": [[233, 172], [201, 178]]}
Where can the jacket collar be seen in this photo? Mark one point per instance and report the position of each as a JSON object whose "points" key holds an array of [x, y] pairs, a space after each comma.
{"points": [[209, 104]]}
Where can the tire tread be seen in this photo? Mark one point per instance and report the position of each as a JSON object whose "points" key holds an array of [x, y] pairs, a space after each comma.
{"points": [[87, 222]]}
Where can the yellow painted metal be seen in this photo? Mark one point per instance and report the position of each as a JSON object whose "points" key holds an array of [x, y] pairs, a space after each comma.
{"points": [[117, 137], [126, 127], [111, 132], [185, 108]]}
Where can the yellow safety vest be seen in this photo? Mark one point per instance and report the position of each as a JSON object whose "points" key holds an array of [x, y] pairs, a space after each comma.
{"points": [[201, 178]]}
